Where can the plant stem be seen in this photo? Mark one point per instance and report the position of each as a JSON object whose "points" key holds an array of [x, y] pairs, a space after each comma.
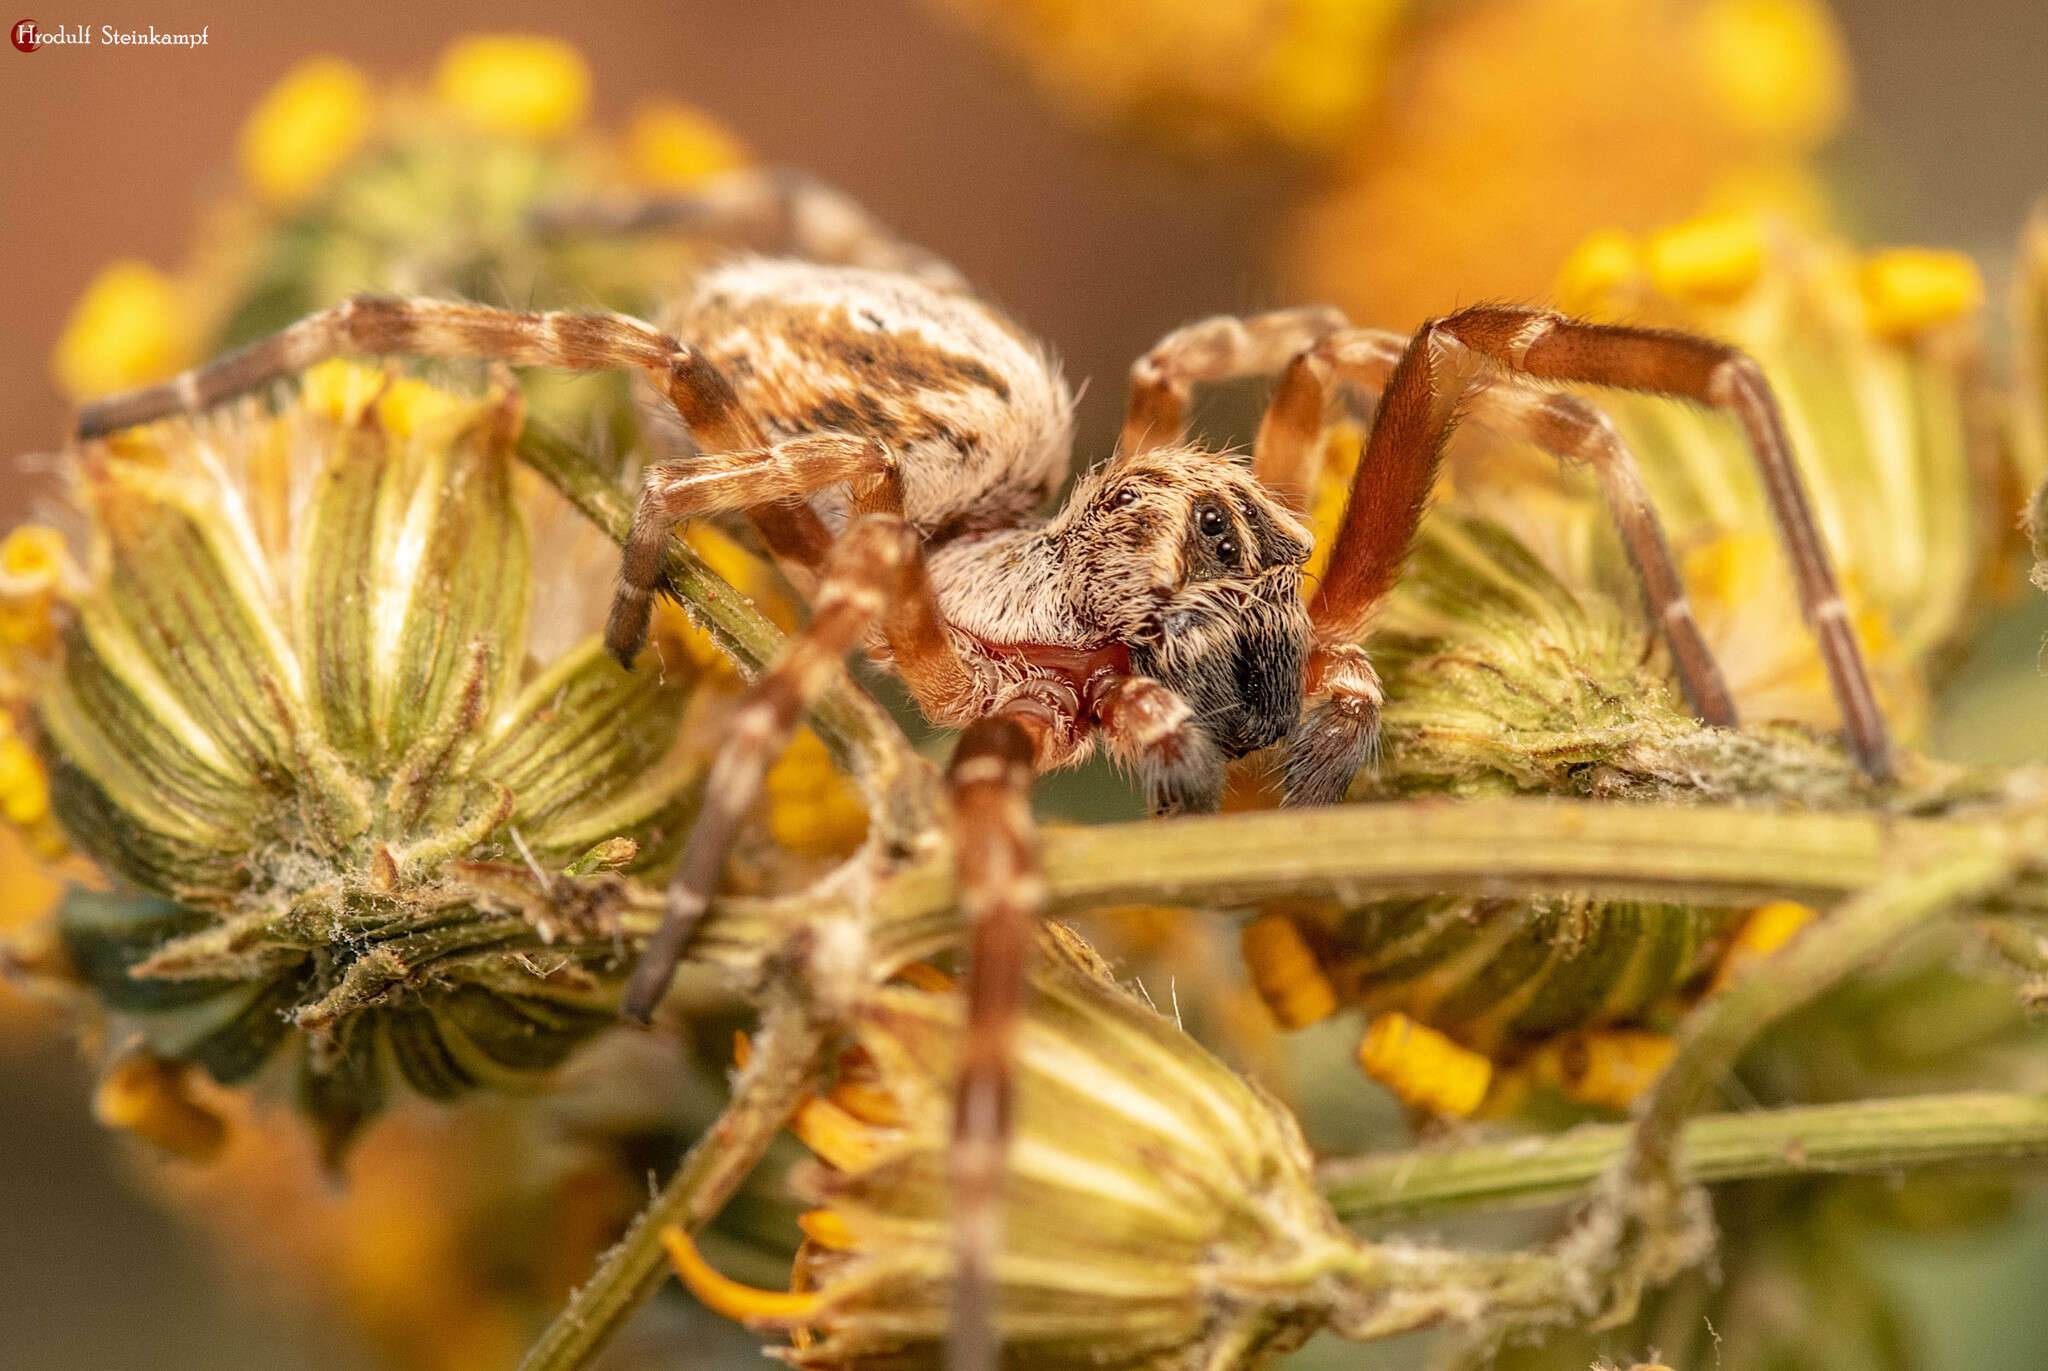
{"points": [[1715, 1035], [786, 1066], [1864, 1136], [1682, 854]]}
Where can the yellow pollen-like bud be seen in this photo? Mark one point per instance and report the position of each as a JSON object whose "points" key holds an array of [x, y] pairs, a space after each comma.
{"points": [[1776, 67], [24, 787], [1608, 1068], [1591, 280], [670, 144], [1709, 260], [1768, 928], [925, 976], [516, 85], [1907, 290], [31, 558], [304, 128], [151, 1098], [32, 562], [126, 330], [1423, 1068], [341, 390], [722, 1294], [1285, 973]]}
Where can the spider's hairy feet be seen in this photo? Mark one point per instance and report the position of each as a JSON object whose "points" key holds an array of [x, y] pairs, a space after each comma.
{"points": [[1152, 730], [1339, 732]]}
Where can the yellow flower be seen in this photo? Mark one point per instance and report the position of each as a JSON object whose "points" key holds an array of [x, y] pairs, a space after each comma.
{"points": [[514, 84], [1475, 180], [675, 145], [1210, 77], [304, 128], [128, 329], [1776, 67]]}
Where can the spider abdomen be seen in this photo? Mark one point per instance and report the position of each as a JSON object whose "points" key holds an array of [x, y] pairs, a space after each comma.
{"points": [[974, 412]]}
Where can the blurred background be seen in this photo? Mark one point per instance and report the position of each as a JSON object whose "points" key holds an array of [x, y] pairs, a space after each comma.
{"points": [[1482, 141]]}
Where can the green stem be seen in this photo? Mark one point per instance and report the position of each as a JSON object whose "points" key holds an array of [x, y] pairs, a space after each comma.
{"points": [[785, 1068], [1697, 855], [1864, 1136], [1714, 1037]]}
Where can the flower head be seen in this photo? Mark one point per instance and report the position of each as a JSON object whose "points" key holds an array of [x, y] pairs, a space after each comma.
{"points": [[1160, 1211], [310, 673]]}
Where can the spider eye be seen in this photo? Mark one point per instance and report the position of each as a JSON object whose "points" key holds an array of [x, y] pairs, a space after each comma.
{"points": [[1122, 498], [1211, 519], [1226, 552]]}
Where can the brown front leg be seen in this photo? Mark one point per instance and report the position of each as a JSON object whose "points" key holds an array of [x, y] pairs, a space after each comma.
{"points": [[1420, 405]]}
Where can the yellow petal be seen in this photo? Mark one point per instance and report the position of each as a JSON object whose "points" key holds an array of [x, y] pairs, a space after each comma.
{"points": [[1768, 928], [151, 1098], [1776, 67], [722, 1294]]}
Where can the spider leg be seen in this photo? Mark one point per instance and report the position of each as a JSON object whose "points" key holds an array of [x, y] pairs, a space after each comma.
{"points": [[875, 571], [1001, 896], [1151, 730], [1419, 406], [372, 325], [1291, 439], [1217, 349], [778, 211], [750, 479]]}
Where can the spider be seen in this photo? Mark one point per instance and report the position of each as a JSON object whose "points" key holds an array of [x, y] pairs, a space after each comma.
{"points": [[897, 443]]}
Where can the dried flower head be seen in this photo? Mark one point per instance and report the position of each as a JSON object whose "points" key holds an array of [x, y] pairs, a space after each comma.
{"points": [[309, 672], [1161, 1211]]}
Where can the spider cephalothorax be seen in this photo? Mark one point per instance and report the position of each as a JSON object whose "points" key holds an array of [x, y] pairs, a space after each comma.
{"points": [[1185, 557], [895, 441]]}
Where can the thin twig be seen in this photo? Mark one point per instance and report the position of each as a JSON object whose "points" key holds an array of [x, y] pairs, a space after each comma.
{"points": [[1859, 1137], [786, 1066]]}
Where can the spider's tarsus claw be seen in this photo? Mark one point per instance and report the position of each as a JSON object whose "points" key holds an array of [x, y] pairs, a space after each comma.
{"points": [[1331, 744], [1189, 789], [663, 953], [625, 632]]}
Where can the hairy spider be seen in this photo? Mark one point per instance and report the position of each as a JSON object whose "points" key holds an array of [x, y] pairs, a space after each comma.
{"points": [[896, 442]]}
